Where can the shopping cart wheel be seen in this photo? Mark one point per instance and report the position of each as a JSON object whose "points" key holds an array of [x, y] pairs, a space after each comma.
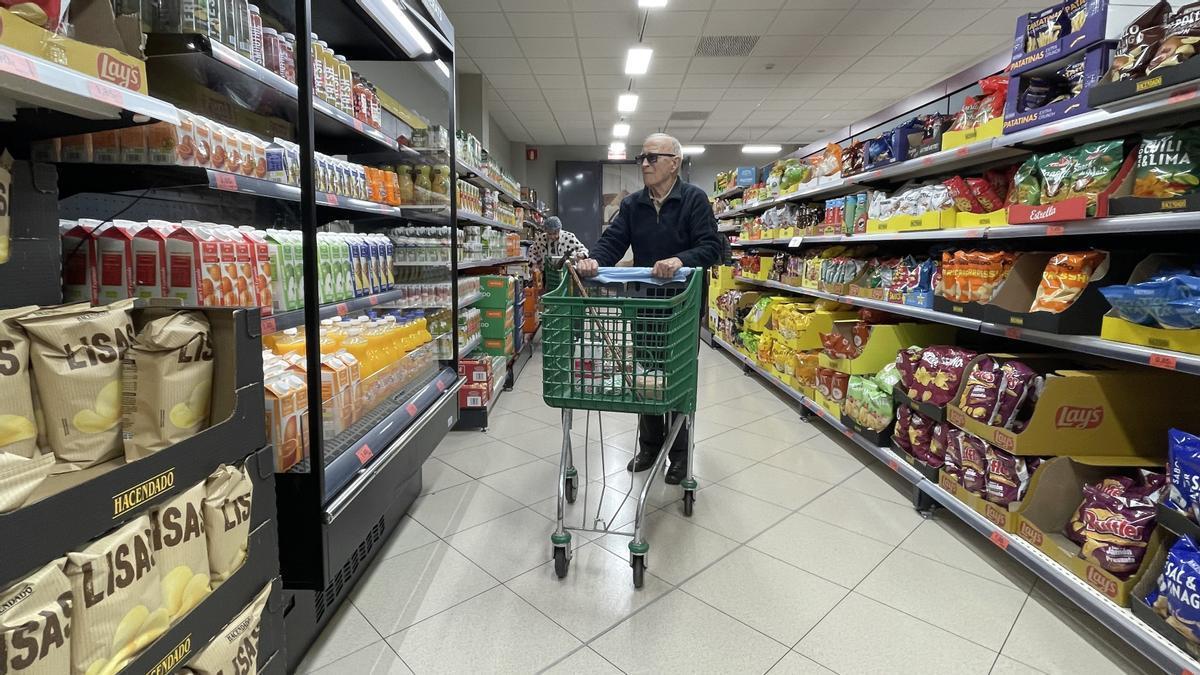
{"points": [[571, 488], [639, 570], [689, 498], [561, 563]]}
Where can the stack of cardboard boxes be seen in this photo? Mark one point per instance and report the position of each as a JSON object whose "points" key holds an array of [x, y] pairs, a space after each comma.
{"points": [[530, 307], [499, 316], [482, 374]]}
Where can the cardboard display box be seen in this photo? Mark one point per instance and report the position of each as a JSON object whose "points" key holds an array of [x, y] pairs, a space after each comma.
{"points": [[1113, 327], [927, 471], [1102, 22], [498, 291], [881, 438], [1010, 305], [475, 395], [1095, 60], [1116, 416], [933, 412], [993, 128], [990, 219], [970, 310], [504, 346], [102, 49], [930, 220], [1076, 208], [885, 341], [1007, 519], [1055, 493], [497, 323]]}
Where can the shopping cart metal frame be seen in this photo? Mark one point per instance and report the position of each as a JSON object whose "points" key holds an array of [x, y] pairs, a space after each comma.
{"points": [[676, 316]]}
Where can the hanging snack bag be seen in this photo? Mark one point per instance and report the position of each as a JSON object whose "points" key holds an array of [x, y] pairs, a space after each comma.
{"points": [[964, 198], [168, 377], [1175, 597], [1007, 477], [181, 551], [938, 373], [117, 587], [987, 198], [1168, 164], [18, 423], [1026, 187], [1180, 36], [1138, 44], [235, 649], [1064, 279], [35, 623], [1056, 169], [1183, 474], [76, 353], [972, 458], [228, 496]]}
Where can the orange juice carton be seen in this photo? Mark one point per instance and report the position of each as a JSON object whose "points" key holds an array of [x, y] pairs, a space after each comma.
{"points": [[150, 279], [194, 265]]}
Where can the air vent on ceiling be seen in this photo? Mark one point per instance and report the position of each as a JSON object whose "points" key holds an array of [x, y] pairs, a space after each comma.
{"points": [[726, 45], [680, 115]]}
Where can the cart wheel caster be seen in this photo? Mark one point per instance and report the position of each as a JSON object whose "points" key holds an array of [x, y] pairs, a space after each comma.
{"points": [[571, 489], [639, 570], [689, 499], [561, 563]]}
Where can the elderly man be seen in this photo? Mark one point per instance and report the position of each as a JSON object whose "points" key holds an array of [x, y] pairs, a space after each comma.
{"points": [[551, 242], [670, 225]]}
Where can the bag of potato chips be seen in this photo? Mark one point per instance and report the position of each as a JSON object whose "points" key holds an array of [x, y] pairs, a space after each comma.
{"points": [[168, 380], [235, 649], [1168, 164], [18, 425], [228, 495], [20, 476], [76, 354], [117, 591], [1066, 276], [181, 551], [35, 623]]}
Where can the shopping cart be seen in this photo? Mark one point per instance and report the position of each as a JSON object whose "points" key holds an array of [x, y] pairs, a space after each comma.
{"points": [[629, 348]]}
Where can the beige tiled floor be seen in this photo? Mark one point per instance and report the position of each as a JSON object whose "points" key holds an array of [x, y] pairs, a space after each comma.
{"points": [[803, 556]]}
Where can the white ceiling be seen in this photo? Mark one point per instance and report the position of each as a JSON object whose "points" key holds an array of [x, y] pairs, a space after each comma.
{"points": [[556, 66]]}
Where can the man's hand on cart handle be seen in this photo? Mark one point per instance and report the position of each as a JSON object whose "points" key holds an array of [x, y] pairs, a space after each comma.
{"points": [[587, 267], [666, 269]]}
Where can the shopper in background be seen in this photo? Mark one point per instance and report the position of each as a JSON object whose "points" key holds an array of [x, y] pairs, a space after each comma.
{"points": [[551, 243], [669, 224]]}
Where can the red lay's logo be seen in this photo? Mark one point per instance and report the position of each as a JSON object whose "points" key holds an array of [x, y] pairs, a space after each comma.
{"points": [[114, 70], [1102, 583], [1072, 417], [1031, 534], [995, 515]]}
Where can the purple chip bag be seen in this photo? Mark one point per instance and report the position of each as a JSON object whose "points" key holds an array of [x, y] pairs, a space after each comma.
{"points": [[982, 390], [938, 373], [972, 457], [900, 433], [920, 433], [1113, 525], [1007, 477], [953, 460], [937, 445], [906, 363], [1015, 381]]}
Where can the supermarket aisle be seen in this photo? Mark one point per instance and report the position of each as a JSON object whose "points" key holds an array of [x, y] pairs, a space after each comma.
{"points": [[803, 556]]}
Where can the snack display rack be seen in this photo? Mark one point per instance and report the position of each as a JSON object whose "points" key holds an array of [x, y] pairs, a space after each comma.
{"points": [[1137, 232]]}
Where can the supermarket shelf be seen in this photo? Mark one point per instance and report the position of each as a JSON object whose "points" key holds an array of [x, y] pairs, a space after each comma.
{"points": [[477, 177], [730, 192], [729, 228], [477, 418], [1126, 626], [295, 317], [1166, 359], [839, 186], [202, 60], [467, 301], [466, 347], [945, 161], [36, 81], [490, 262], [481, 220]]}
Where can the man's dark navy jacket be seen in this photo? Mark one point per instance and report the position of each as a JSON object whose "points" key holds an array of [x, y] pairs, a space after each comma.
{"points": [[685, 228]]}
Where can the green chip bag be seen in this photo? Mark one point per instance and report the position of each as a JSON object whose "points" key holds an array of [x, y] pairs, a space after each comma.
{"points": [[1057, 169], [1168, 164], [1025, 188], [1096, 165]]}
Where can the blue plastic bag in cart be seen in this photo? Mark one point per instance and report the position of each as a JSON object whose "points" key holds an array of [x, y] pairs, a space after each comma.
{"points": [[625, 275]]}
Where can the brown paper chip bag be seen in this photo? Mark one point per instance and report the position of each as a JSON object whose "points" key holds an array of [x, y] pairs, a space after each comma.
{"points": [[35, 624], [227, 520], [19, 477], [117, 589], [167, 383], [18, 424], [76, 353], [6, 163], [234, 651], [181, 551]]}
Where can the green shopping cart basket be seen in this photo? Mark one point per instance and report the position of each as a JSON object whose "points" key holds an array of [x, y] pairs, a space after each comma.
{"points": [[551, 276], [630, 348]]}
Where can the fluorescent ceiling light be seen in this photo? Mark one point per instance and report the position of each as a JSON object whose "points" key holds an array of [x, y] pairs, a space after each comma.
{"points": [[442, 67], [627, 102], [637, 61], [620, 130], [693, 149], [652, 4], [409, 27], [617, 146], [761, 149]]}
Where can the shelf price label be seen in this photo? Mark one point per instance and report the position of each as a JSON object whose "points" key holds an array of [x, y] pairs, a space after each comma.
{"points": [[16, 64], [331, 199], [926, 161], [411, 409], [342, 309], [441, 386], [998, 538], [364, 454], [1012, 333], [795, 242], [1162, 361], [107, 94], [226, 181], [893, 465], [1054, 230], [268, 325], [1182, 96], [358, 125], [962, 151], [374, 300]]}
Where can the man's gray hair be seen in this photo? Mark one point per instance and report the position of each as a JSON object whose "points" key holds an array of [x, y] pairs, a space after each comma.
{"points": [[676, 148]]}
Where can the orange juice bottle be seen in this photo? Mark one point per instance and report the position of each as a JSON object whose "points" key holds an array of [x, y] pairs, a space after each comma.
{"points": [[332, 331], [423, 330], [359, 348], [291, 342]]}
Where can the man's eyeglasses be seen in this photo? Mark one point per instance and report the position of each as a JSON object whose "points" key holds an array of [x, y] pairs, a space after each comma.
{"points": [[652, 157]]}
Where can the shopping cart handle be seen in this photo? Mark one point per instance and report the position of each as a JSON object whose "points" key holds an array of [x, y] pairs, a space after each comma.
{"points": [[622, 275]]}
